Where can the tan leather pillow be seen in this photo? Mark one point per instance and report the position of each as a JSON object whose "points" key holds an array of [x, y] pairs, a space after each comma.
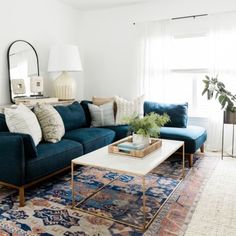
{"points": [[98, 101]]}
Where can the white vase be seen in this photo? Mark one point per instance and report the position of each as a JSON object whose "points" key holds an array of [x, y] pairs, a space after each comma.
{"points": [[139, 139]]}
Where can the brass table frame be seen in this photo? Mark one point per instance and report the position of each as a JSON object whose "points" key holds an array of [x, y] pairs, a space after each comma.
{"points": [[145, 224]]}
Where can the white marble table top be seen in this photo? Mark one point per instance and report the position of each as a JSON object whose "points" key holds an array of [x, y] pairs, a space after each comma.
{"points": [[126, 164]]}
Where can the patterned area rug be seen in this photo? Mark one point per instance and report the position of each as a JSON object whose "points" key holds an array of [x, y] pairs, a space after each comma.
{"points": [[48, 206]]}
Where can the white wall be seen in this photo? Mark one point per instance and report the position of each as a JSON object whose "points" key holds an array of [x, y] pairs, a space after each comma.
{"points": [[42, 23], [111, 42], [107, 39]]}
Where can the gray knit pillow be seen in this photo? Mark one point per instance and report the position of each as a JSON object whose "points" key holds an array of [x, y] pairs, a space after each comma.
{"points": [[102, 115], [51, 122]]}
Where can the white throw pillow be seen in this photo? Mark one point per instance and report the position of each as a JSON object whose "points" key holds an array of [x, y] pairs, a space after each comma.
{"points": [[51, 122], [102, 115], [23, 120], [128, 108]]}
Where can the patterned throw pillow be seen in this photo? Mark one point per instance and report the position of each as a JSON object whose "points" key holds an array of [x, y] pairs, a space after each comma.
{"points": [[23, 120], [50, 122], [102, 115], [128, 108]]}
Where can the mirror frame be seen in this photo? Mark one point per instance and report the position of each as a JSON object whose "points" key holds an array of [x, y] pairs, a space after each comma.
{"points": [[8, 63]]}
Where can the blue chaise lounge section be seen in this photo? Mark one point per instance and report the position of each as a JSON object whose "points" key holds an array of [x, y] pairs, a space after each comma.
{"points": [[194, 137]]}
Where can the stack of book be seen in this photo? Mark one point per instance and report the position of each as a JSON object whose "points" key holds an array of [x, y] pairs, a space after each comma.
{"points": [[128, 146]]}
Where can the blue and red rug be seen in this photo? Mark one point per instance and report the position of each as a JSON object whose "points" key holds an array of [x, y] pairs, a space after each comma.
{"points": [[48, 206]]}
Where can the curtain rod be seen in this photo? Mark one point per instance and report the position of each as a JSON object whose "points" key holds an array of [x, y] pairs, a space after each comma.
{"points": [[184, 17]]}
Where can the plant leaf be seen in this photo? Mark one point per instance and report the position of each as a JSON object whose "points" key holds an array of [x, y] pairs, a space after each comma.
{"points": [[204, 91]]}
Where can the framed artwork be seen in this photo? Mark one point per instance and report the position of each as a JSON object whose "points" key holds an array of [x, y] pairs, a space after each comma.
{"points": [[18, 86], [36, 84]]}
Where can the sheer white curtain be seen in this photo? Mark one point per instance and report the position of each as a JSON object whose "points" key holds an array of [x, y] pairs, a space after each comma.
{"points": [[215, 114], [222, 64], [156, 58]]}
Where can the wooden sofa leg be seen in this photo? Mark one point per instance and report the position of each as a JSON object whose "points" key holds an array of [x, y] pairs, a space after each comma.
{"points": [[190, 160], [22, 196], [202, 148]]}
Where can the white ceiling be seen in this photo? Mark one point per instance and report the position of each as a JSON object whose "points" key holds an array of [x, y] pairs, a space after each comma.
{"points": [[86, 5]]}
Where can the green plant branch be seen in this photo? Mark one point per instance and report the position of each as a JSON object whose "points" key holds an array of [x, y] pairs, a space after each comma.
{"points": [[148, 125], [214, 87]]}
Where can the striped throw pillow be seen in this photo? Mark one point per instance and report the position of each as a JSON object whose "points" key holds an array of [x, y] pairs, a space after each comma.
{"points": [[102, 115], [128, 108], [23, 120]]}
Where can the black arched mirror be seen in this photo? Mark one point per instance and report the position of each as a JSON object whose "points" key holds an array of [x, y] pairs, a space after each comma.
{"points": [[23, 69]]}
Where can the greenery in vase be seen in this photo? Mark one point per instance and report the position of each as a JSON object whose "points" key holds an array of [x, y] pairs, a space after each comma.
{"points": [[148, 125], [214, 87]]}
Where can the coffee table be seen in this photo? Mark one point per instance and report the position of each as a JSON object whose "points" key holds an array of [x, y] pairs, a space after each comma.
{"points": [[126, 165]]}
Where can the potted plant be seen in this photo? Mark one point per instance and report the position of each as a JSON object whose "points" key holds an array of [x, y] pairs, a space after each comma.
{"points": [[227, 100], [145, 127]]}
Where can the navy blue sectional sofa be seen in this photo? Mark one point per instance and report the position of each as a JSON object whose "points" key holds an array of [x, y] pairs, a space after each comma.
{"points": [[23, 164]]}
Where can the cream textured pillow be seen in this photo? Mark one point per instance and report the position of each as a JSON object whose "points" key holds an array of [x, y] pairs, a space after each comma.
{"points": [[51, 122], [128, 108], [23, 120], [102, 115]]}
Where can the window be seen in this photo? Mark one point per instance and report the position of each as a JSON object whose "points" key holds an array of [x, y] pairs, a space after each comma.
{"points": [[188, 64], [178, 54]]}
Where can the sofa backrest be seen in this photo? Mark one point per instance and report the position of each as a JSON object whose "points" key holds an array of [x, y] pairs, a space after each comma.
{"points": [[84, 104], [73, 116], [178, 113], [3, 124]]}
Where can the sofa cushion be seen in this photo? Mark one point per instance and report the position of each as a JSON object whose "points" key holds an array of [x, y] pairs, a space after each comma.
{"points": [[52, 157], [121, 131], [178, 112], [91, 138], [72, 115], [3, 124], [193, 136]]}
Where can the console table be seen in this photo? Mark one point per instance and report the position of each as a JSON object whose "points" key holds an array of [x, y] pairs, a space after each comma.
{"points": [[52, 101], [31, 101]]}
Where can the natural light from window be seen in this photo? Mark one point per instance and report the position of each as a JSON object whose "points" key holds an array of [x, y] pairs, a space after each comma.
{"points": [[189, 62]]}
